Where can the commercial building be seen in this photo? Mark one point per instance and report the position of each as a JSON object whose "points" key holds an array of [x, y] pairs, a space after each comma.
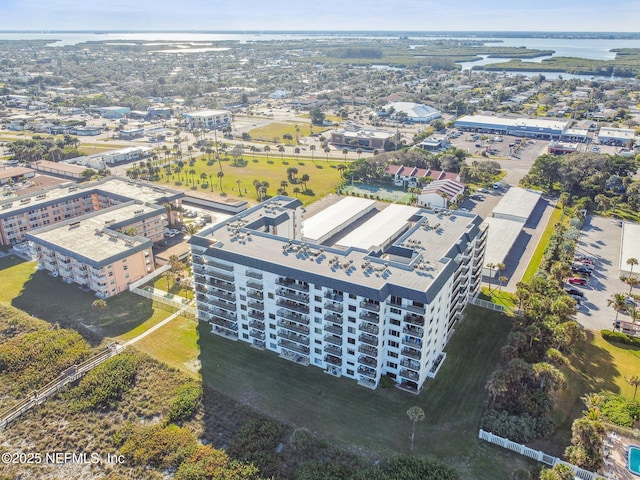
{"points": [[114, 112], [60, 169], [630, 248], [354, 136], [517, 204], [375, 301], [545, 128], [411, 112], [105, 250], [26, 213], [617, 136], [207, 119]]}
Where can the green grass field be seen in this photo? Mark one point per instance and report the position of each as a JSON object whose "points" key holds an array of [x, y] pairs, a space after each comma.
{"points": [[324, 176], [534, 264], [50, 299], [376, 421], [275, 131]]}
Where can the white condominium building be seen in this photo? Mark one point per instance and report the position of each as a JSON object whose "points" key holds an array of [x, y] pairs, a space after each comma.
{"points": [[377, 296]]}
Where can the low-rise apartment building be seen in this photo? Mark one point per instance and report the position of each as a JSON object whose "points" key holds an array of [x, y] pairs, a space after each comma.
{"points": [[207, 119], [378, 299]]}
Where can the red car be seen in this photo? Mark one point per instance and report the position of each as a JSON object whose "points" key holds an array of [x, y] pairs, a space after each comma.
{"points": [[577, 281]]}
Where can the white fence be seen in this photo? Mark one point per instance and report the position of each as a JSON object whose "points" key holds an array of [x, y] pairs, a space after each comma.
{"points": [[151, 294], [486, 304], [537, 455]]}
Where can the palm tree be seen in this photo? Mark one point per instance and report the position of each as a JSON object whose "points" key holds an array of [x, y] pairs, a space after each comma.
{"points": [[203, 177], [313, 149], [296, 190], [169, 277], [99, 305], [297, 152], [267, 149], [634, 381], [344, 152], [359, 152], [281, 150], [220, 175], [634, 313], [501, 279], [632, 262], [191, 229], [304, 179], [617, 301], [415, 414], [327, 150]]}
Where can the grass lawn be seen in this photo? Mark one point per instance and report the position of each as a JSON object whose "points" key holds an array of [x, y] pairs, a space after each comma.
{"points": [[534, 264], [623, 212], [376, 421], [50, 299], [506, 299], [324, 176], [273, 132]]}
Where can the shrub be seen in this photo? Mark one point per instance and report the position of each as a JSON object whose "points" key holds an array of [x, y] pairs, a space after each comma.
{"points": [[301, 439], [103, 386], [185, 403], [159, 446], [620, 338]]}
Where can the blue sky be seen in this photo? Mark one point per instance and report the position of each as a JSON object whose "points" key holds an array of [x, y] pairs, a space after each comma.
{"points": [[416, 15]]}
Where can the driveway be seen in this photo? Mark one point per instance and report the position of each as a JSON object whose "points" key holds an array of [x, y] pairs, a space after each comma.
{"points": [[600, 240]]}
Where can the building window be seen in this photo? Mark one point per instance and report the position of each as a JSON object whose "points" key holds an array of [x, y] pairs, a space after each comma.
{"points": [[393, 354], [243, 297], [393, 344], [317, 319], [272, 316], [351, 319], [351, 351], [125, 267], [272, 325], [352, 296], [351, 329], [352, 308], [317, 342], [272, 336], [394, 333], [393, 321], [270, 295], [317, 361], [318, 331], [395, 310], [392, 365], [272, 346], [317, 309], [352, 341], [317, 298], [318, 351], [245, 336], [245, 327]]}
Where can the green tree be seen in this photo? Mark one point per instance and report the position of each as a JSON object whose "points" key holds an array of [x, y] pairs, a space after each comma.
{"points": [[617, 301], [634, 381]]}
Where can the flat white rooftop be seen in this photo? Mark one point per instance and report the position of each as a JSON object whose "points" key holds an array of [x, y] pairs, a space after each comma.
{"points": [[330, 220], [517, 203], [206, 113], [630, 247], [550, 123], [501, 236], [382, 227]]}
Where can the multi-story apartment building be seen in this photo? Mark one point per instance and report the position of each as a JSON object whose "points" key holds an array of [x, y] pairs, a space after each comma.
{"points": [[379, 296], [104, 251], [22, 214]]}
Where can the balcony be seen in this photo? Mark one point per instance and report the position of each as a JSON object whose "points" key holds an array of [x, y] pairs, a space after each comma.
{"points": [[228, 287], [412, 353], [374, 307], [256, 324], [255, 294], [292, 284], [414, 331], [223, 295], [293, 346], [334, 296], [227, 306], [367, 382], [255, 314], [367, 350], [293, 327], [258, 344], [332, 360], [334, 307], [328, 327], [224, 314], [415, 309], [231, 335], [369, 317], [334, 318], [221, 322], [221, 266], [220, 276], [368, 339], [255, 285], [414, 319], [256, 305], [256, 334], [333, 350], [412, 342], [255, 275], [294, 337], [367, 371], [409, 374], [410, 364], [296, 317], [296, 297], [296, 307], [333, 340], [372, 329], [368, 361]]}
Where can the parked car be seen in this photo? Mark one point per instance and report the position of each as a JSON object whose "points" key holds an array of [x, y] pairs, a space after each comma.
{"points": [[496, 185], [483, 190], [582, 269], [588, 266], [577, 281], [630, 302], [573, 291], [577, 298]]}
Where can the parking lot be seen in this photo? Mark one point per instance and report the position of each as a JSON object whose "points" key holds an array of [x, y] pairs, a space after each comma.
{"points": [[600, 240]]}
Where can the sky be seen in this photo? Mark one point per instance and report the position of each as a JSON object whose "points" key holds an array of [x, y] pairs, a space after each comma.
{"points": [[322, 15]]}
